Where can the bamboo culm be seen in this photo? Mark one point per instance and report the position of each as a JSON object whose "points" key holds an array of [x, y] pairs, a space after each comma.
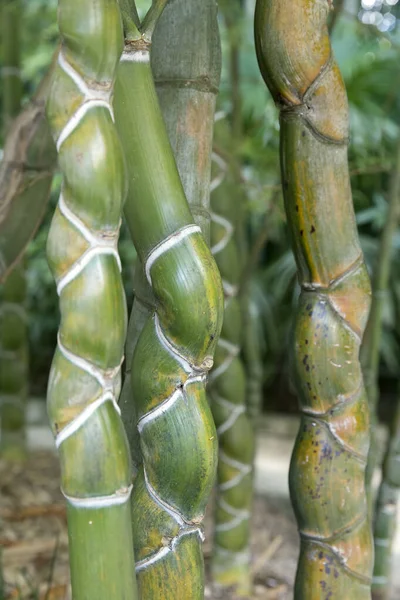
{"points": [[82, 252], [187, 80], [251, 352], [370, 351], [227, 390], [386, 511], [14, 364], [174, 349], [13, 316], [387, 499], [327, 473]]}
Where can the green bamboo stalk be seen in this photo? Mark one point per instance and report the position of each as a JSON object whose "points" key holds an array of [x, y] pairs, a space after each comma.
{"points": [[175, 347], [13, 364], [187, 79], [370, 351], [386, 511], [251, 352], [327, 474], [26, 174], [231, 555], [387, 498], [82, 251], [13, 317], [11, 69]]}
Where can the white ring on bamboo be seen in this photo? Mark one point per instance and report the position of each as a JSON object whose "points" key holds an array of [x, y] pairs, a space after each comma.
{"points": [[78, 116], [160, 554], [238, 516], [139, 56], [228, 227], [162, 408], [243, 469], [82, 418], [106, 378], [233, 350], [173, 512], [120, 497], [98, 245], [92, 98], [166, 245], [170, 348]]}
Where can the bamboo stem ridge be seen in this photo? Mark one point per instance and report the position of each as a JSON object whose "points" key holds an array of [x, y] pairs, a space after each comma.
{"points": [[231, 559], [174, 350], [328, 464], [82, 251]]}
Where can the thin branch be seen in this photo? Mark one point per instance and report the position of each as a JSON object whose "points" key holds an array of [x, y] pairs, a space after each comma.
{"points": [[130, 18], [151, 19]]}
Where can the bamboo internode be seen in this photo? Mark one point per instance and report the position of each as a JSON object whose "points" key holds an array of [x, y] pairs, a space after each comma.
{"points": [[328, 464], [82, 251], [174, 349], [231, 554]]}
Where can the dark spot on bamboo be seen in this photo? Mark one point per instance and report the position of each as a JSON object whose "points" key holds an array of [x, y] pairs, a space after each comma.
{"points": [[301, 232], [312, 230]]}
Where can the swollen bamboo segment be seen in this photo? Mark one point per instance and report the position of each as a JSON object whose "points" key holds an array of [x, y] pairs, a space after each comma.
{"points": [[82, 252], [175, 348], [231, 559], [328, 464]]}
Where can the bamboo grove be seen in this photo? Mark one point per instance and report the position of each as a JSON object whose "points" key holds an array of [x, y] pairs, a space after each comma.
{"points": [[151, 417]]}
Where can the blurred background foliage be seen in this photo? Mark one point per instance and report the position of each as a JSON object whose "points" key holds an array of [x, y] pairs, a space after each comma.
{"points": [[366, 40]]}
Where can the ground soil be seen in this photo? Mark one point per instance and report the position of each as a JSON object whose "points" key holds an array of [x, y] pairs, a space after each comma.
{"points": [[34, 538]]}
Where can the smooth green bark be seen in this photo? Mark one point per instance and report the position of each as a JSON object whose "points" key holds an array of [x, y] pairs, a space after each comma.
{"points": [[327, 473], [174, 349], [82, 252]]}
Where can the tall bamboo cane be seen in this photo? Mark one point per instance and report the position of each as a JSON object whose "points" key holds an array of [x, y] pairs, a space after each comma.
{"points": [[82, 251], [187, 80], [387, 499], [175, 347], [328, 464], [370, 351], [13, 364], [231, 555], [386, 511], [13, 317]]}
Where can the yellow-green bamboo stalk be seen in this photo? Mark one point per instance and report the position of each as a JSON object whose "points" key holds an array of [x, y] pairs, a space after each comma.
{"points": [[13, 317], [175, 348], [231, 552], [82, 251], [187, 79], [327, 474]]}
